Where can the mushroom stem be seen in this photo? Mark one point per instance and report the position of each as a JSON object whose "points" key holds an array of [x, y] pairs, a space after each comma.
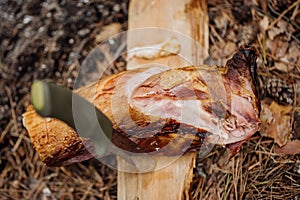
{"points": [[51, 100]]}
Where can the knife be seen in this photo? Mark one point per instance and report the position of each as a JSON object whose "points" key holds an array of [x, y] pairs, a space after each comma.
{"points": [[51, 100]]}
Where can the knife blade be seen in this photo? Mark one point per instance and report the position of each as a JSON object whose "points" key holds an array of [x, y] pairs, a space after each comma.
{"points": [[51, 100]]}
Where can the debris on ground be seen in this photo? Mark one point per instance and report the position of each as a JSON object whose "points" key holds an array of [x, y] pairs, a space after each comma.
{"points": [[50, 39]]}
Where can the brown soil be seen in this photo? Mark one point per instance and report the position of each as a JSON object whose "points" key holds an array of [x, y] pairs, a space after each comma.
{"points": [[49, 40]]}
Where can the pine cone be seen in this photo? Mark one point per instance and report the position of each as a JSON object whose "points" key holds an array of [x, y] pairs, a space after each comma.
{"points": [[280, 90]]}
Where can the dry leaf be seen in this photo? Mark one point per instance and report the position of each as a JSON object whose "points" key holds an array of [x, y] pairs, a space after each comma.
{"points": [[281, 48], [291, 147], [108, 31], [281, 67], [248, 33], [224, 52], [293, 54], [221, 22], [229, 48], [276, 121], [264, 23], [275, 31], [269, 44]]}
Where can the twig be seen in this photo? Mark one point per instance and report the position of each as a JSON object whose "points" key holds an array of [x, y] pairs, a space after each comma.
{"points": [[214, 32], [17, 144], [282, 61], [287, 19], [235, 175], [12, 108], [5, 131], [87, 192], [71, 68], [283, 13]]}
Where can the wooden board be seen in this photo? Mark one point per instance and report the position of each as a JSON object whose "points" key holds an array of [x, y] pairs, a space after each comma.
{"points": [[184, 20], [187, 22], [170, 182]]}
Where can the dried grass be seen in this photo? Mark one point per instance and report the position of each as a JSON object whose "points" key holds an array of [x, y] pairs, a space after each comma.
{"points": [[254, 173]]}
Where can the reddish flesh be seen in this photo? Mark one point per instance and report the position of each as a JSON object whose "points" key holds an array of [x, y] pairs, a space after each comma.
{"points": [[204, 99], [163, 110]]}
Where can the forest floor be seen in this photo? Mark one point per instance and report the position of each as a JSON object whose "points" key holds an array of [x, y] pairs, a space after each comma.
{"points": [[50, 39]]}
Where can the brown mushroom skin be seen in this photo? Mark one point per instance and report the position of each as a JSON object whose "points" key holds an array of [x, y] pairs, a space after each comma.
{"points": [[147, 109]]}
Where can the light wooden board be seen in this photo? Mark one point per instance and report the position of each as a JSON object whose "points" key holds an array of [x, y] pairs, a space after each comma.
{"points": [[170, 182], [187, 22]]}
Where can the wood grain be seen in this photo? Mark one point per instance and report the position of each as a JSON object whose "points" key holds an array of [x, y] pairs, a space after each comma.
{"points": [[187, 22]]}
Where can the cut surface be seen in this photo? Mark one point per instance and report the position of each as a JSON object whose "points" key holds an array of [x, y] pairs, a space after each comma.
{"points": [[170, 111]]}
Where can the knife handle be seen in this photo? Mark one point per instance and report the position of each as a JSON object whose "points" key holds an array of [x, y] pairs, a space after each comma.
{"points": [[51, 100]]}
